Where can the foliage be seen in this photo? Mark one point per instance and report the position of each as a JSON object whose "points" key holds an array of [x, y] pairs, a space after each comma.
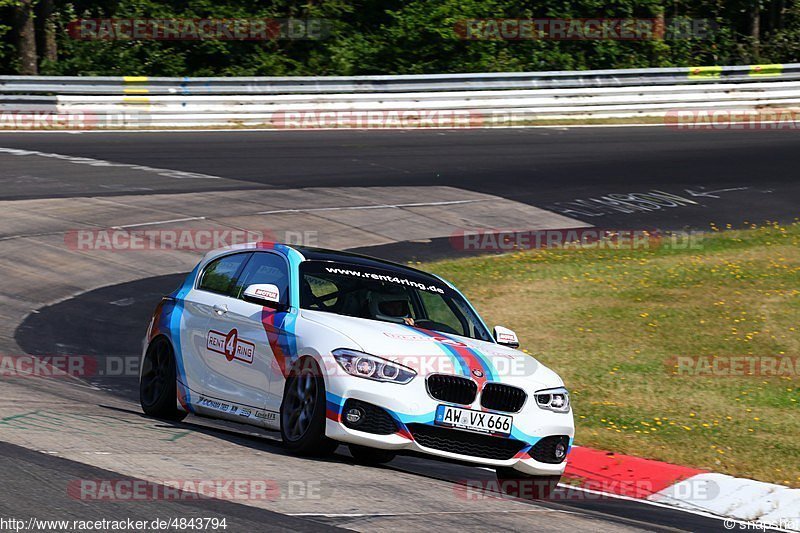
{"points": [[410, 36]]}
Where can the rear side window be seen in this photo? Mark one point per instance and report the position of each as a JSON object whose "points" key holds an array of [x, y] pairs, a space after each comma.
{"points": [[265, 267], [219, 274]]}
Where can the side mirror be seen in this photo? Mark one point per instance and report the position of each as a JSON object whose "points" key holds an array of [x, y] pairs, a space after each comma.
{"points": [[265, 294], [506, 337]]}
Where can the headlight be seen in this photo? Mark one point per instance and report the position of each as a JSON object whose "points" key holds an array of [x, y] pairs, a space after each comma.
{"points": [[553, 399], [370, 367]]}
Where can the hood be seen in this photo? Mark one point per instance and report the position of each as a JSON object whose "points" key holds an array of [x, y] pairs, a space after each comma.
{"points": [[429, 352]]}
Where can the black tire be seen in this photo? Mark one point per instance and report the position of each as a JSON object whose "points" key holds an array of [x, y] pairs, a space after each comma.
{"points": [[158, 384], [370, 456], [303, 411], [520, 485]]}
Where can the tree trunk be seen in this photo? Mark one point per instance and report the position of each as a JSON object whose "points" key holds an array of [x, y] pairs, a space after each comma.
{"points": [[755, 21], [46, 19], [26, 38], [755, 28], [777, 15]]}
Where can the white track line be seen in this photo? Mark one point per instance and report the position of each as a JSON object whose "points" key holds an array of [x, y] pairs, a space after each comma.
{"points": [[158, 222], [101, 163], [309, 210], [379, 206]]}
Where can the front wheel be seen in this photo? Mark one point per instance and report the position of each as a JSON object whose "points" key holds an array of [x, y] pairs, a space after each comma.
{"points": [[158, 385], [303, 412], [525, 486]]}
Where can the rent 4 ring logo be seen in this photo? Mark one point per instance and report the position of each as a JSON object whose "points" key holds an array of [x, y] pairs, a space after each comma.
{"points": [[230, 345]]}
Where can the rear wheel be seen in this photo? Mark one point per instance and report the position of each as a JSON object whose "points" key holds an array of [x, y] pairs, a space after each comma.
{"points": [[303, 411], [520, 485], [158, 387], [370, 456]]}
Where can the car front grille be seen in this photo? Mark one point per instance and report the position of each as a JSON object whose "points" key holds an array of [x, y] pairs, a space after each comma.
{"points": [[499, 397], [544, 451], [452, 389], [375, 420], [465, 442]]}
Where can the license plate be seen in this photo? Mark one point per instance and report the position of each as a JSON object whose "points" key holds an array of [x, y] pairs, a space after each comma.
{"points": [[484, 422]]}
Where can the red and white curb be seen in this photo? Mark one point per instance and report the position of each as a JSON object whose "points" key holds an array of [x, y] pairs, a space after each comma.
{"points": [[691, 489]]}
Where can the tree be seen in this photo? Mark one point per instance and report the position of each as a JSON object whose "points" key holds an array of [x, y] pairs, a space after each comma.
{"points": [[391, 37], [46, 30], [26, 37]]}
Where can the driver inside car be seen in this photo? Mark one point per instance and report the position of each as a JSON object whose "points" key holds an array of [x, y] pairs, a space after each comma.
{"points": [[393, 306]]}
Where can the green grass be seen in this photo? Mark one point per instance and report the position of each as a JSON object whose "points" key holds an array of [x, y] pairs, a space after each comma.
{"points": [[610, 322]]}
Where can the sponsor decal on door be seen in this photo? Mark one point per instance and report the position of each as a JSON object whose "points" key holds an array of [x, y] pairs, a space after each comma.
{"points": [[230, 345]]}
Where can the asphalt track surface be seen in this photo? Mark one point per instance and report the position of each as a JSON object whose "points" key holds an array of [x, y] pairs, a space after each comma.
{"points": [[33, 482], [547, 167], [732, 176]]}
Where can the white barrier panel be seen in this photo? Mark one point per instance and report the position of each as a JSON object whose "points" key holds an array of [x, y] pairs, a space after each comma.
{"points": [[129, 102]]}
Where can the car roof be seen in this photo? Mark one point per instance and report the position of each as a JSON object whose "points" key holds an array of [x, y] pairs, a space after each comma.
{"points": [[311, 253], [322, 254]]}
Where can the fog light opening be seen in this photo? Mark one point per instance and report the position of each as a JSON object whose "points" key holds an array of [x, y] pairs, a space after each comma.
{"points": [[354, 416], [560, 450]]}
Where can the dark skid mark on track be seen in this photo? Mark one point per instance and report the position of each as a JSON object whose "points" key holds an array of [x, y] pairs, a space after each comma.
{"points": [[110, 321]]}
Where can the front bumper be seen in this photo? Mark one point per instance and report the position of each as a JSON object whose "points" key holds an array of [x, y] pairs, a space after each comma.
{"points": [[413, 410]]}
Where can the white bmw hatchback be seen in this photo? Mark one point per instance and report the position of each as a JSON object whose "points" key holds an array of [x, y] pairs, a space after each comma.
{"points": [[330, 347]]}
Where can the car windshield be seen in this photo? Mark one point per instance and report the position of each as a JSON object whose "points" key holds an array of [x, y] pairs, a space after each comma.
{"points": [[396, 296]]}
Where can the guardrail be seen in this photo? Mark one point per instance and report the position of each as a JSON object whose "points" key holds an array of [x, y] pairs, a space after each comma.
{"points": [[457, 100]]}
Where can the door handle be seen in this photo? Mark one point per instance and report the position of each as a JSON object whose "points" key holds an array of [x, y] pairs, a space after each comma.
{"points": [[220, 309]]}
